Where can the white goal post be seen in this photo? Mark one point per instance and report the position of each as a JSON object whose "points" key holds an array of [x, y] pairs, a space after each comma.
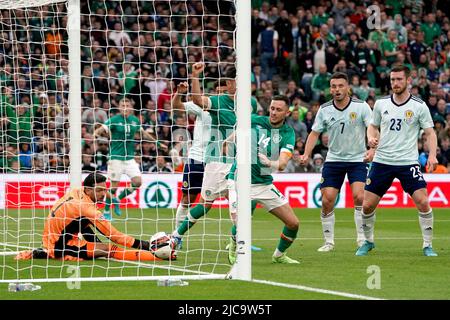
{"points": [[59, 92]]}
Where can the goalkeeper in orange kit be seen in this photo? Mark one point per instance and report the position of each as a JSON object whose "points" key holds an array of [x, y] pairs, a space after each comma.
{"points": [[68, 234]]}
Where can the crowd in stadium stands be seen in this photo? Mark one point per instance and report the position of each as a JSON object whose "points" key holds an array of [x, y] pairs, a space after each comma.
{"points": [[143, 50]]}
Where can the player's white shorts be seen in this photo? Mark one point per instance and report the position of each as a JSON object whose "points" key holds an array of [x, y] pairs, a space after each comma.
{"points": [[118, 167], [214, 180], [267, 195]]}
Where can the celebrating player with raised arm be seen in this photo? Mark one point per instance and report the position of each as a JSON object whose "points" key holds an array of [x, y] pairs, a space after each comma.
{"points": [[74, 214], [400, 118], [345, 119], [121, 129], [195, 166], [223, 120]]}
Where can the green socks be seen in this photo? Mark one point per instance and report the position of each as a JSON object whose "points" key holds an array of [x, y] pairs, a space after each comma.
{"points": [[197, 212], [287, 238], [126, 192]]}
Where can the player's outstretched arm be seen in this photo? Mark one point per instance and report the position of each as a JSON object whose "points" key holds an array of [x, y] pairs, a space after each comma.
{"points": [[431, 140], [108, 230], [197, 97], [310, 143]]}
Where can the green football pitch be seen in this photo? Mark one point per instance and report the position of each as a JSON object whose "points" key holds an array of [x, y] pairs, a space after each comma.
{"points": [[395, 269]]}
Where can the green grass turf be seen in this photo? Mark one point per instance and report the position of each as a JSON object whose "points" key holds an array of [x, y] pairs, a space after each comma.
{"points": [[404, 272]]}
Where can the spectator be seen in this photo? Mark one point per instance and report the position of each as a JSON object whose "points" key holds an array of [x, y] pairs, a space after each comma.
{"points": [[128, 78], [119, 37], [300, 129], [88, 165], [390, 47], [322, 148], [319, 55], [294, 165], [417, 48], [265, 100], [430, 29], [317, 163], [93, 115], [309, 121], [101, 154], [400, 29], [19, 123], [161, 166], [268, 48], [25, 157], [445, 148], [321, 84], [148, 155], [432, 72], [293, 92]]}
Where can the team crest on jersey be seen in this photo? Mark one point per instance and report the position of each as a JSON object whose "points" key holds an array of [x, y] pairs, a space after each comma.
{"points": [[353, 117], [409, 114], [276, 138], [368, 181]]}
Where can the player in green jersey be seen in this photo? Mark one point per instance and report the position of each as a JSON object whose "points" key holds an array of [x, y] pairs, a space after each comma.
{"points": [[223, 120], [121, 130], [272, 147]]}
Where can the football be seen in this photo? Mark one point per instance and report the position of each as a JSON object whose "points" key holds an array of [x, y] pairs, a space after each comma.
{"points": [[162, 246]]}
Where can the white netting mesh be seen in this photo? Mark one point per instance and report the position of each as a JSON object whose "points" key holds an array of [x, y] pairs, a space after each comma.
{"points": [[135, 49]]}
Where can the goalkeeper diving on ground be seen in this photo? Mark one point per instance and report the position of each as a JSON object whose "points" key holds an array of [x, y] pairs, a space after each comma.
{"points": [[68, 234]]}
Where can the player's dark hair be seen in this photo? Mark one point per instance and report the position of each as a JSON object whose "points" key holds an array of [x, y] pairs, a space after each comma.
{"points": [[125, 100], [220, 83], [339, 75], [400, 68], [230, 73], [282, 98], [93, 178]]}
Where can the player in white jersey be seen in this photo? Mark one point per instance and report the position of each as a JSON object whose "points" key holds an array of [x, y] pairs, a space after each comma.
{"points": [[400, 118], [195, 165], [345, 119]]}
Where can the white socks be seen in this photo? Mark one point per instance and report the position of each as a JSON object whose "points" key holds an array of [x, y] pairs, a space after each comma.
{"points": [[426, 226], [368, 224], [328, 226], [358, 224], [277, 253], [182, 212]]}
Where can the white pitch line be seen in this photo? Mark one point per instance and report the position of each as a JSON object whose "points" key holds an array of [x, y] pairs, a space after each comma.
{"points": [[318, 290], [351, 221], [321, 238], [5, 244], [9, 253], [139, 264]]}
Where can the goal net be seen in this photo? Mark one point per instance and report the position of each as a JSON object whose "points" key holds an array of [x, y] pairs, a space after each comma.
{"points": [[57, 91]]}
